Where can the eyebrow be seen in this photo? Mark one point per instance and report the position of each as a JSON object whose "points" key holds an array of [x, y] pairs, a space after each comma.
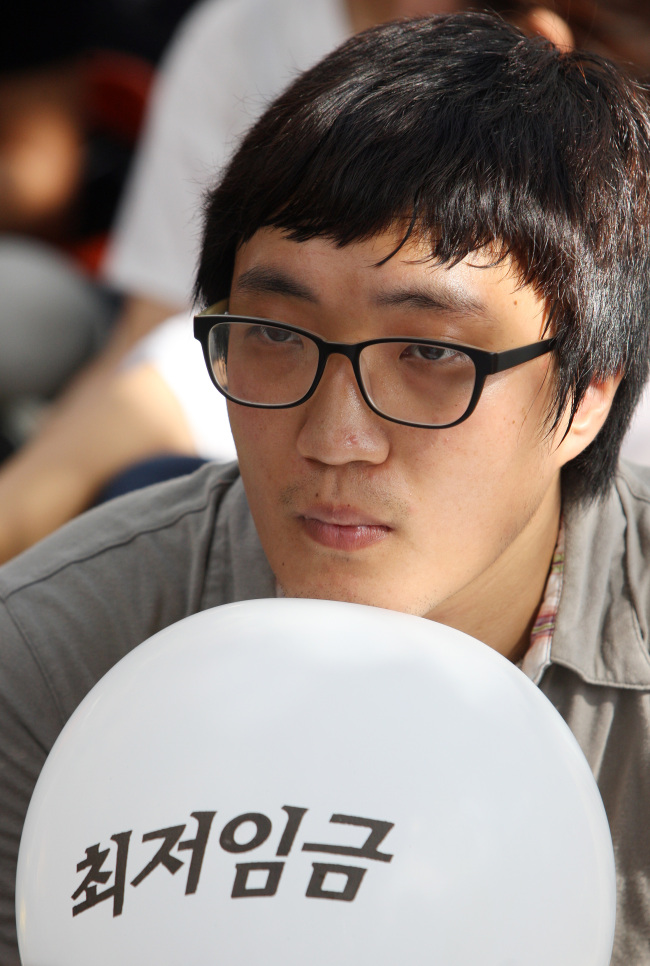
{"points": [[436, 298], [262, 280]]}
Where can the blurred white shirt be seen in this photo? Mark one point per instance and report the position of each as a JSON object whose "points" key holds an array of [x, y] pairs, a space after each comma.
{"points": [[228, 60]]}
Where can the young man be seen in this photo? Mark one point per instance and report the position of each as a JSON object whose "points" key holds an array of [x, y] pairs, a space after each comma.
{"points": [[435, 253], [118, 412]]}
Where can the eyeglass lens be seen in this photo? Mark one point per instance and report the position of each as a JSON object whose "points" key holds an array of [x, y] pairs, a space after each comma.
{"points": [[268, 365]]}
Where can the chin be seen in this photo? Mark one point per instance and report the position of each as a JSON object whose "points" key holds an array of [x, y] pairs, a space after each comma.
{"points": [[347, 592]]}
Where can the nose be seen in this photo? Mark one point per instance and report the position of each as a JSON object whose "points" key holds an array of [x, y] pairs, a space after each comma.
{"points": [[338, 426]]}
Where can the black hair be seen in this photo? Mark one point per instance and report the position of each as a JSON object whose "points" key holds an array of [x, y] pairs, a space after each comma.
{"points": [[475, 135]]}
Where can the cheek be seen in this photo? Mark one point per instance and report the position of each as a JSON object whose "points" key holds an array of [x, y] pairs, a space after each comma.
{"points": [[512, 412], [265, 441], [483, 468], [244, 425], [471, 495]]}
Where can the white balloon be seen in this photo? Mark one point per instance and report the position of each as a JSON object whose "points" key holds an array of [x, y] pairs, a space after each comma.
{"points": [[311, 782]]}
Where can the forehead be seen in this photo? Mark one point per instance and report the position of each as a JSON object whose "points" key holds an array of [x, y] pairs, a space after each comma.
{"points": [[372, 281]]}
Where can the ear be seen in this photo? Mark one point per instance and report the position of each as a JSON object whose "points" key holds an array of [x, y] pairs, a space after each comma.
{"points": [[547, 23], [589, 418]]}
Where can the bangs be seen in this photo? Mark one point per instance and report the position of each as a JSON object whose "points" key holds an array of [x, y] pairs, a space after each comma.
{"points": [[483, 155]]}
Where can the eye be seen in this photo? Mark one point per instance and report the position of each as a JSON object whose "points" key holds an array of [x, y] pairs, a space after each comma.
{"points": [[272, 335], [429, 353]]}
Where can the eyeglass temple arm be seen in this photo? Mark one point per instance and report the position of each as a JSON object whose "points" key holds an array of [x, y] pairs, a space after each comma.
{"points": [[515, 357], [219, 308], [201, 320]]}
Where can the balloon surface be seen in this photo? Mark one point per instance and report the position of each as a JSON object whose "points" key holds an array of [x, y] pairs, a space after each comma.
{"points": [[309, 782]]}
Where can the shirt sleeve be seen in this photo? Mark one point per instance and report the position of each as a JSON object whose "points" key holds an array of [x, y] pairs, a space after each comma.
{"points": [[70, 608], [29, 724]]}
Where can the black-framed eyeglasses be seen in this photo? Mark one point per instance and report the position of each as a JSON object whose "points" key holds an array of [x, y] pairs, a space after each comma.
{"points": [[416, 382]]}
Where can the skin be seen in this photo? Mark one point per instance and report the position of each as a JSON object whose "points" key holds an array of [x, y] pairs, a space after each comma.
{"points": [[457, 525]]}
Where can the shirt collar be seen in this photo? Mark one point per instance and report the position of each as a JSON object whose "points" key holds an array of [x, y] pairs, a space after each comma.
{"points": [[538, 656]]}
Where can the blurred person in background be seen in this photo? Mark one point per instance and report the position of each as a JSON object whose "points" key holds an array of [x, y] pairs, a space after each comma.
{"points": [[73, 86], [229, 58], [52, 317]]}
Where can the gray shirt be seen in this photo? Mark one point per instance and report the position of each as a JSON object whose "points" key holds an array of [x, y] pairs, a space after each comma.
{"points": [[78, 602]]}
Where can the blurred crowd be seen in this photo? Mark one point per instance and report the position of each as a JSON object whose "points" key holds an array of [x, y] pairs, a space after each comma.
{"points": [[114, 117]]}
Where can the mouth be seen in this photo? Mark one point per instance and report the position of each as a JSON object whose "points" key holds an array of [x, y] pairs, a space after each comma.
{"points": [[343, 528]]}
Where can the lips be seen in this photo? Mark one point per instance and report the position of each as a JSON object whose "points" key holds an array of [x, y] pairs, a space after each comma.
{"points": [[343, 528]]}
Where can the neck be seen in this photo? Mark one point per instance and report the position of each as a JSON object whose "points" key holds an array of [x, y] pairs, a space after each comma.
{"points": [[500, 607]]}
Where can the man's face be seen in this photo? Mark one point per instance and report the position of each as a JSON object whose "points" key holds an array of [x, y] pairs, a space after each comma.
{"points": [[352, 507]]}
